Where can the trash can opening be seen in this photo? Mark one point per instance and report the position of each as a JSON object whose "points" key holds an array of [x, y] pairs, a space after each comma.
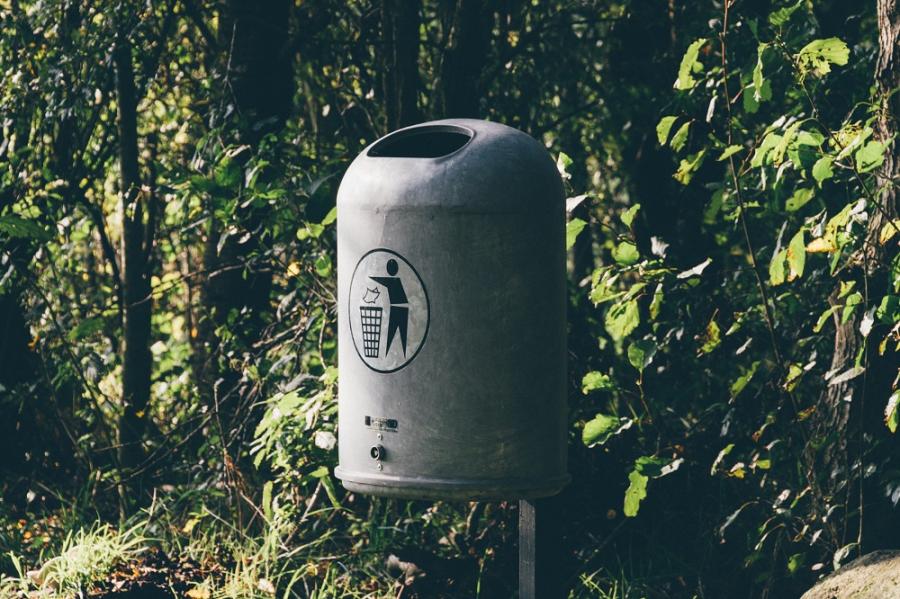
{"points": [[431, 141]]}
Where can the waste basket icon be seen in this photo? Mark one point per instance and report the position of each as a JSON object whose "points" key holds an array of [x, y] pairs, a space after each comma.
{"points": [[371, 330], [451, 315]]}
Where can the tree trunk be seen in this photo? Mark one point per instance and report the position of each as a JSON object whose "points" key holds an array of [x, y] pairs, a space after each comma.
{"points": [[467, 26], [259, 67], [260, 73], [400, 61], [259, 86], [856, 407], [880, 519], [136, 360]]}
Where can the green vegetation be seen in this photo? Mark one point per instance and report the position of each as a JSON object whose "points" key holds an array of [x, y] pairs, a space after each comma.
{"points": [[168, 374]]}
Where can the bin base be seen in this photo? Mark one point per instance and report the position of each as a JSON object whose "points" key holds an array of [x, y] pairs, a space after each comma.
{"points": [[386, 485]]}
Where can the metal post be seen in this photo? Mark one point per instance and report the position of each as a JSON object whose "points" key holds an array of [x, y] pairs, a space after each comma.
{"points": [[540, 568]]}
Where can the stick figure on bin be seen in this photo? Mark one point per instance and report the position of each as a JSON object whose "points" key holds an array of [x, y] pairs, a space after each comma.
{"points": [[398, 317]]}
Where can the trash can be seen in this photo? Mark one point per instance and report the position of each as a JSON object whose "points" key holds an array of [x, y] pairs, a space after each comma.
{"points": [[451, 308]]}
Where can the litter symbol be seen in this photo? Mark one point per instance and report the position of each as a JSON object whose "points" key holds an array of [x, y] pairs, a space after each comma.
{"points": [[389, 310]]}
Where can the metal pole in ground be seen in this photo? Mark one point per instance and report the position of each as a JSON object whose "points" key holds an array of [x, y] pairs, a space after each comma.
{"points": [[540, 563]]}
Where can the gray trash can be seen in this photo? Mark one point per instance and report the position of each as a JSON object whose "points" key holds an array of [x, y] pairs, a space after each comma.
{"points": [[451, 335]]}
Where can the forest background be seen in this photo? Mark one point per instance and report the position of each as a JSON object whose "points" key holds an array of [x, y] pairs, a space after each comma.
{"points": [[168, 378]]}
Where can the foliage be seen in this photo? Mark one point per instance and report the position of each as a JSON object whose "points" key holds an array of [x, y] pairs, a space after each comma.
{"points": [[734, 290]]}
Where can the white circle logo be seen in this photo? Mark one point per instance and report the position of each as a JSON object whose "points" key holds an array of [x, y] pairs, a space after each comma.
{"points": [[388, 310]]}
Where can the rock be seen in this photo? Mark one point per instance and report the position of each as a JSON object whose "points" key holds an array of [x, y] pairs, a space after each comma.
{"points": [[875, 575]]}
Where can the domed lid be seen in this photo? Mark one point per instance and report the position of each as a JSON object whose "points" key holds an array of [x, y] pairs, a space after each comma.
{"points": [[463, 165]]}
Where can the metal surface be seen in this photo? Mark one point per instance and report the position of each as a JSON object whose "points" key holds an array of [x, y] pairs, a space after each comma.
{"points": [[542, 569], [451, 282]]}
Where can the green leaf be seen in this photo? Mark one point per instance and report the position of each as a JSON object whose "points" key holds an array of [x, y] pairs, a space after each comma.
{"points": [[573, 228], [563, 162], [795, 371], [688, 167], [796, 256], [853, 300], [720, 457], [821, 170], [799, 199], [711, 337], [781, 147], [776, 268], [636, 492], [308, 230], [782, 15], [621, 319], [628, 216], [795, 562], [824, 318], [680, 138], [86, 328], [729, 152], [657, 301], [330, 217], [817, 56], [892, 412], [741, 382], [320, 472], [758, 80], [602, 428], [870, 156], [596, 381], [663, 128], [603, 286], [640, 353], [762, 150], [888, 311], [689, 66], [626, 253], [888, 230], [323, 265], [16, 227], [267, 500]]}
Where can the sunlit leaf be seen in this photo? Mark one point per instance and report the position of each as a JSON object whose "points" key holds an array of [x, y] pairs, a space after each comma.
{"points": [[822, 170], [663, 128], [870, 156], [628, 216], [689, 66], [796, 256], [817, 56], [729, 152], [596, 381], [769, 142], [799, 199], [783, 15], [621, 319], [635, 493], [602, 428], [688, 166], [626, 253], [711, 337], [776, 268], [573, 229], [892, 412], [680, 138]]}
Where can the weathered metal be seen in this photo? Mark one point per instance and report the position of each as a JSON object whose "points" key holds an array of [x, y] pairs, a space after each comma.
{"points": [[451, 283]]}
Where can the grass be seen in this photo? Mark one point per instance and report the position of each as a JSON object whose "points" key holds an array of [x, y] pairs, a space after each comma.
{"points": [[86, 555], [275, 557]]}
